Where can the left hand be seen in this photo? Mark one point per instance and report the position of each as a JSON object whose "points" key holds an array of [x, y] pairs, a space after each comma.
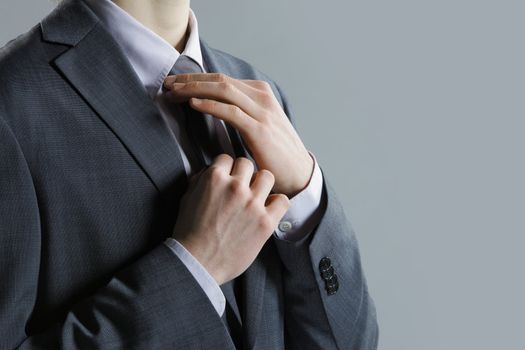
{"points": [[251, 107]]}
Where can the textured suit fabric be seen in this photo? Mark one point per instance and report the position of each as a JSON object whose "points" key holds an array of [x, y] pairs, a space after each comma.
{"points": [[90, 181]]}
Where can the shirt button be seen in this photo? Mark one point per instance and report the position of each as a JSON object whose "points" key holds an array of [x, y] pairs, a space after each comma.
{"points": [[285, 226]]}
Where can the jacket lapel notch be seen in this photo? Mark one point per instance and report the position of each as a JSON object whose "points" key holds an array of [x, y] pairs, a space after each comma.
{"points": [[68, 23]]}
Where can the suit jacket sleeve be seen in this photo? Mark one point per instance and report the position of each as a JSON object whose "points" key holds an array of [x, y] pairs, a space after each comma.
{"points": [[313, 317], [153, 303]]}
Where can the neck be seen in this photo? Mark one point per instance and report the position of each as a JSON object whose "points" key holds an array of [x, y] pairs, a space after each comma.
{"points": [[167, 18]]}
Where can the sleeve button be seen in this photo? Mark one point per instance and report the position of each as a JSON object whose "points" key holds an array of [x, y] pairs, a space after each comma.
{"points": [[285, 226], [331, 291], [324, 264], [328, 273], [332, 281]]}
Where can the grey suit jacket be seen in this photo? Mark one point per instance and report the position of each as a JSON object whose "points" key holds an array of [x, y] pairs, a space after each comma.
{"points": [[90, 179]]}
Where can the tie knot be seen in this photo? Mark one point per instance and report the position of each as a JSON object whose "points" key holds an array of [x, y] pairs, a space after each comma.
{"points": [[185, 64]]}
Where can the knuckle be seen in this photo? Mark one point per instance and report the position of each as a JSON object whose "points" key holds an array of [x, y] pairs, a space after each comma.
{"points": [[215, 173], [225, 87], [266, 97], [254, 207], [193, 85], [285, 201], [210, 104], [267, 174], [258, 84], [245, 161], [236, 188], [265, 223], [222, 156], [235, 111], [263, 84], [181, 78], [221, 77]]}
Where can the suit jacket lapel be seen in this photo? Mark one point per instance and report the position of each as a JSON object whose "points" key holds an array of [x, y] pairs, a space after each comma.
{"points": [[99, 71], [253, 288], [254, 278]]}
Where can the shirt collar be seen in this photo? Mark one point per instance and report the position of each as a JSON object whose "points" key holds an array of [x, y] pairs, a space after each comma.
{"points": [[150, 55]]}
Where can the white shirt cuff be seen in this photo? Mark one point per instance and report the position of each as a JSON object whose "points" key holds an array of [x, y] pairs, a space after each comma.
{"points": [[205, 280], [303, 215]]}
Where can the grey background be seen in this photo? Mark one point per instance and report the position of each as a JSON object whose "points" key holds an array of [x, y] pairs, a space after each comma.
{"points": [[423, 140]]}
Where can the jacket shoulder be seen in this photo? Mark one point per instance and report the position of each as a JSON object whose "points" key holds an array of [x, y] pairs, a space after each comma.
{"points": [[25, 67], [18, 53], [238, 65]]}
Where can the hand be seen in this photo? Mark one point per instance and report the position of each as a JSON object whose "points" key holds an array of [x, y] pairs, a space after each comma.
{"points": [[224, 220], [251, 107]]}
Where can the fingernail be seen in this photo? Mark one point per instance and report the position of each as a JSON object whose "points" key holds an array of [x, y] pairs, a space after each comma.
{"points": [[196, 101], [170, 80]]}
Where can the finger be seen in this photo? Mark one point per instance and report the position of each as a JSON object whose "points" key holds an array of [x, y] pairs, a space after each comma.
{"points": [[262, 184], [252, 88], [260, 85], [223, 162], [243, 169], [258, 90], [277, 204], [227, 112], [186, 77], [226, 92]]}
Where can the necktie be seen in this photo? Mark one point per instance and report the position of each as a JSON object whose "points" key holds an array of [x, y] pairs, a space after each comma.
{"points": [[205, 133]]}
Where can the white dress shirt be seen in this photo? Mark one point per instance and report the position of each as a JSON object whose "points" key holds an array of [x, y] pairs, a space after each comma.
{"points": [[152, 58]]}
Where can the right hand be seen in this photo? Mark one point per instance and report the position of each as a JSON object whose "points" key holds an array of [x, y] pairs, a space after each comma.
{"points": [[224, 220]]}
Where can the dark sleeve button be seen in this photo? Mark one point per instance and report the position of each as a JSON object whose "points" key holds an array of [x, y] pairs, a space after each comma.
{"points": [[331, 291], [329, 272], [332, 281], [324, 264]]}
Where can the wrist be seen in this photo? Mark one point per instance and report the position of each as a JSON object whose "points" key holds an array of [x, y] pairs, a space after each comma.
{"points": [[302, 182], [204, 258]]}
